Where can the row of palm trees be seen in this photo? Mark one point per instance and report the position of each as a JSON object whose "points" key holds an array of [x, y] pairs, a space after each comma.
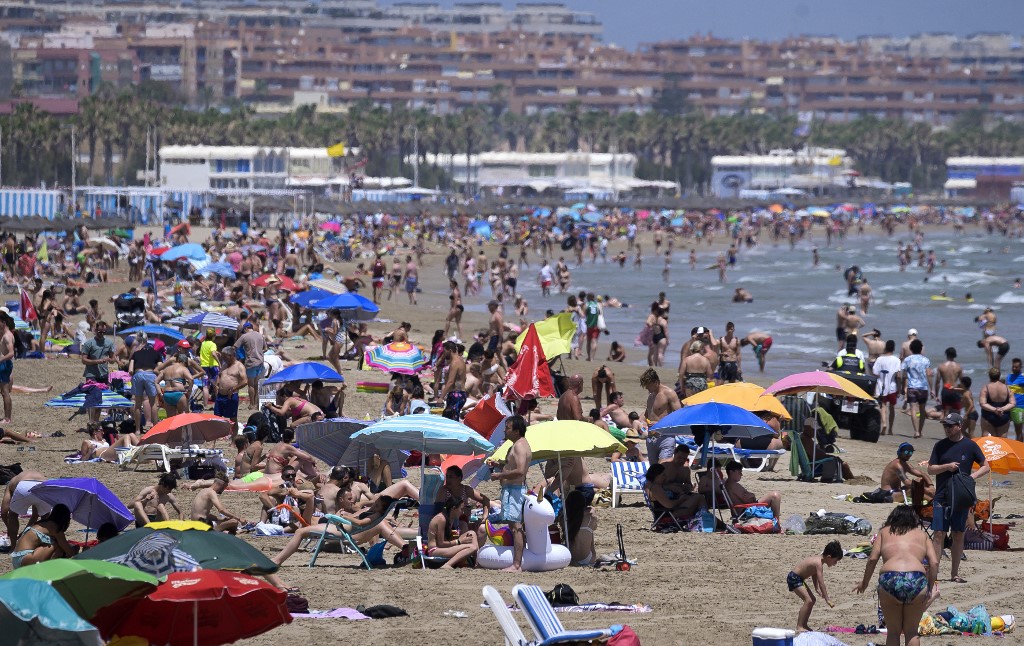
{"points": [[674, 144]]}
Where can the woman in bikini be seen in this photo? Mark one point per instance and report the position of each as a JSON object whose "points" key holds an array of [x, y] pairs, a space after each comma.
{"points": [[444, 540], [658, 324], [44, 540], [995, 403], [909, 568], [455, 310], [582, 525], [300, 410], [378, 474]]}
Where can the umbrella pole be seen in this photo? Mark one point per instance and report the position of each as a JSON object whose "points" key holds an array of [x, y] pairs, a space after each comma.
{"points": [[991, 503], [565, 514], [195, 623]]}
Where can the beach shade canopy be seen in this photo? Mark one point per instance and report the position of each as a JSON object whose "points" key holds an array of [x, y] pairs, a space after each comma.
{"points": [[154, 330], [823, 383], [222, 269], [426, 433], [397, 356], [530, 376], [205, 608], [1002, 454], [205, 319], [188, 428], [330, 440], [87, 586], [744, 394], [281, 282], [89, 500], [565, 438], [329, 285], [555, 334], [352, 306], [162, 551], [306, 372], [703, 420], [303, 299], [108, 399], [189, 251], [32, 612]]}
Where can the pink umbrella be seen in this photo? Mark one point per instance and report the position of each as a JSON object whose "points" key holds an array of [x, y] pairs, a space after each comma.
{"points": [[331, 226], [824, 383]]}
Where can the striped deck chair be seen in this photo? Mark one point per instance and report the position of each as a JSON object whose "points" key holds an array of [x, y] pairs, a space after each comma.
{"points": [[624, 478], [545, 623]]}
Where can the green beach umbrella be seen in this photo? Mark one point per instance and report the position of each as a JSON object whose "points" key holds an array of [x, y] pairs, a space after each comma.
{"points": [[210, 550], [87, 586]]}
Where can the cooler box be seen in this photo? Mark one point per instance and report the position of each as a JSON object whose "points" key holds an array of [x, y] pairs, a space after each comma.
{"points": [[773, 637]]}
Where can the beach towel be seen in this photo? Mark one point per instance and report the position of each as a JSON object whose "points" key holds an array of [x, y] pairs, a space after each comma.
{"points": [[336, 613]]}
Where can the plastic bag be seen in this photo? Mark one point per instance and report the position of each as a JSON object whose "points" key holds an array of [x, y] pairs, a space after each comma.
{"points": [[795, 524], [980, 621], [957, 620], [837, 523]]}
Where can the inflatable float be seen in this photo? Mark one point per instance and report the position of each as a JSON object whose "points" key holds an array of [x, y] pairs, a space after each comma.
{"points": [[372, 387], [941, 297], [540, 555]]}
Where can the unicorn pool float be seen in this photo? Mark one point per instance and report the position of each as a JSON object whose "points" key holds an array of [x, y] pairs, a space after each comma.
{"points": [[540, 555]]}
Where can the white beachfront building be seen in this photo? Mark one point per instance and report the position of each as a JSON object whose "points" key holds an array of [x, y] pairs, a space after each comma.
{"points": [[988, 177], [216, 167], [600, 175], [805, 170]]}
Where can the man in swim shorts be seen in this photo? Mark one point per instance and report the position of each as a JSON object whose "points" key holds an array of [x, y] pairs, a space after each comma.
{"points": [[661, 401], [947, 377], [231, 380], [1000, 346], [151, 504], [1015, 382], [513, 485], [253, 346], [6, 362], [729, 355], [453, 394], [760, 343]]}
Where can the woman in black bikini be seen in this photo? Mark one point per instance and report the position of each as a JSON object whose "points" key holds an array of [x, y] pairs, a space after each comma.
{"points": [[995, 402], [378, 474]]}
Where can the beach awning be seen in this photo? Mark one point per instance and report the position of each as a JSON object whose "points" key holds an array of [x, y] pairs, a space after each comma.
{"points": [[962, 184]]}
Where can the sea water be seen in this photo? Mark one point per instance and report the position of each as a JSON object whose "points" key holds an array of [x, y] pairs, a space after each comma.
{"points": [[796, 302]]}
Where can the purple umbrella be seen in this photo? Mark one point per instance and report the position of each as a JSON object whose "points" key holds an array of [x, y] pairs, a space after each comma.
{"points": [[89, 500]]}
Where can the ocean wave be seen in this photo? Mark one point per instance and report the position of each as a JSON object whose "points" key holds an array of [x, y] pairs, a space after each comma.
{"points": [[1010, 297]]}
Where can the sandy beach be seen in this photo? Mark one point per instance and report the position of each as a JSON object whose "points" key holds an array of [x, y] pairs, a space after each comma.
{"points": [[702, 588]]}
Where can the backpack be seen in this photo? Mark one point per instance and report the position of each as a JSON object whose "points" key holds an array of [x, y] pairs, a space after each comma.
{"points": [[962, 494], [563, 595]]}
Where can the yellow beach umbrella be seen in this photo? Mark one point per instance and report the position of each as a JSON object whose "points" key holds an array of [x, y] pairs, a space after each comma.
{"points": [[555, 334], [179, 525], [563, 439], [744, 394]]}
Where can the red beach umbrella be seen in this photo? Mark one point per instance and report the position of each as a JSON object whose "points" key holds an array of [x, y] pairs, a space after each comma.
{"points": [[281, 282], [530, 377], [190, 428]]}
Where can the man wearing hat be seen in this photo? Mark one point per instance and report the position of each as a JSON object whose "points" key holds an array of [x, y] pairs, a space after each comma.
{"points": [[895, 475], [955, 453]]}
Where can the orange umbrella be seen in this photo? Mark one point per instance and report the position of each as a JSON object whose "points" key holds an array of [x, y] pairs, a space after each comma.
{"points": [[744, 394], [1003, 456], [188, 428]]}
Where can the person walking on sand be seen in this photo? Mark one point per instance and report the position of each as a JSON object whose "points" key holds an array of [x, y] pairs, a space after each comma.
{"points": [[513, 485], [887, 388], [916, 373], [7, 364], [812, 568], [947, 380]]}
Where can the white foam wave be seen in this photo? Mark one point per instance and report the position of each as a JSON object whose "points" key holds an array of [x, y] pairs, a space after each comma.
{"points": [[1010, 297]]}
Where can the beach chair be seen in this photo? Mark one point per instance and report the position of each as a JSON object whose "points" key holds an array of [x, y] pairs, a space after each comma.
{"points": [[513, 633], [163, 455], [432, 481], [343, 531], [267, 394], [800, 465], [624, 479], [662, 518], [745, 456], [545, 623]]}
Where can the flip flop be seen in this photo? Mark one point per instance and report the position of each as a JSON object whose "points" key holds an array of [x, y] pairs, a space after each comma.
{"points": [[958, 579]]}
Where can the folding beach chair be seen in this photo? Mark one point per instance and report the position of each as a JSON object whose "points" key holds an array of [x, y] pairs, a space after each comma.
{"points": [[624, 478], [513, 633], [343, 530], [545, 623], [801, 466], [663, 519]]}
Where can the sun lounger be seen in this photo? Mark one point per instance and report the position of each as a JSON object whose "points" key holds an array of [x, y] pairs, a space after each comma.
{"points": [[744, 456], [163, 454], [344, 530], [545, 623], [624, 478]]}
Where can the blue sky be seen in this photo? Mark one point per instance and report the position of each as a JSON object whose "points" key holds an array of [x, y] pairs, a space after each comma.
{"points": [[628, 22]]}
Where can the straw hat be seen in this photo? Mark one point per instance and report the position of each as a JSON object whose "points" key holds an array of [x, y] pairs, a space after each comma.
{"points": [[632, 435]]}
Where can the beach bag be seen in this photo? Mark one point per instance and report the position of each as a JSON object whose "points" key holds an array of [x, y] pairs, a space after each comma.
{"points": [[962, 494], [296, 603], [625, 637], [382, 611], [876, 496], [562, 595], [756, 526]]}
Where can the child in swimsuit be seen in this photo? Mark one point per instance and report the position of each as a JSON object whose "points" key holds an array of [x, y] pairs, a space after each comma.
{"points": [[812, 567]]}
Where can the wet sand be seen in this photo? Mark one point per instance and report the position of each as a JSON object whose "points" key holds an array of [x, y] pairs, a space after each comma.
{"points": [[702, 588]]}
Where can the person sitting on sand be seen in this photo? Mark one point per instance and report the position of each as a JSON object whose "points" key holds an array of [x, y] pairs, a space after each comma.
{"points": [[895, 475], [44, 540], [207, 500], [454, 487], [151, 504], [581, 527], [444, 541], [741, 496], [286, 504]]}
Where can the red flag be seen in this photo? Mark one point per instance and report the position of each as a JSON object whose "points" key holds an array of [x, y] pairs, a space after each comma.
{"points": [[28, 312], [529, 377]]}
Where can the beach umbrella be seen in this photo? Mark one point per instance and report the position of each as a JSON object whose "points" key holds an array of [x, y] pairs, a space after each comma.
{"points": [[32, 612], [87, 586], [188, 428], [744, 394], [397, 356], [331, 441], [89, 500], [333, 227], [529, 376], [207, 607], [555, 334], [205, 319], [303, 299], [189, 251], [108, 399], [352, 306], [1003, 455], [154, 330], [820, 382], [19, 323], [306, 372], [281, 282], [488, 417], [329, 285], [106, 244], [222, 269], [160, 550]]}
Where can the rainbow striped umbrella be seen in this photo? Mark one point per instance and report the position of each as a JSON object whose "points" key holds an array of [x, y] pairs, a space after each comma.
{"points": [[399, 356], [108, 399]]}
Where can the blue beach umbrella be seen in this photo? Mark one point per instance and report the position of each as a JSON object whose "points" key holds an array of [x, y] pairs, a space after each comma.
{"points": [[219, 268], [205, 319], [306, 298], [331, 441], [308, 371], [425, 433], [108, 399], [191, 251], [89, 500], [154, 330], [34, 612], [352, 306]]}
